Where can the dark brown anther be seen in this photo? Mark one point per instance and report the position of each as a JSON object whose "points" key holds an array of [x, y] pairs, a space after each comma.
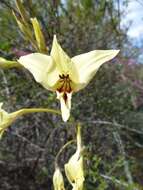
{"points": [[61, 76], [64, 83]]}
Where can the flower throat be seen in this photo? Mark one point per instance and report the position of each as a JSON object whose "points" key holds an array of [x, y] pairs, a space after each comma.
{"points": [[64, 84]]}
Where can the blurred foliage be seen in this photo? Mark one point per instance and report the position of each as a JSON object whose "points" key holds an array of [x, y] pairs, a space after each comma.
{"points": [[110, 108]]}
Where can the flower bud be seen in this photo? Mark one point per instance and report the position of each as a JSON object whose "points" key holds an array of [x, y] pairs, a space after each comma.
{"points": [[74, 167], [58, 181], [6, 119]]}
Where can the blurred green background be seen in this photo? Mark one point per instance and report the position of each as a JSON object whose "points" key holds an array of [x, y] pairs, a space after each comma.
{"points": [[110, 109]]}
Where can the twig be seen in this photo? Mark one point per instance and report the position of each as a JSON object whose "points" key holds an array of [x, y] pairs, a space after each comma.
{"points": [[121, 147], [123, 153], [114, 180], [117, 125], [29, 142]]}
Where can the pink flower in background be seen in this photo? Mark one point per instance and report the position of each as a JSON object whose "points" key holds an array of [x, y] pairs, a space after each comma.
{"points": [[19, 53]]}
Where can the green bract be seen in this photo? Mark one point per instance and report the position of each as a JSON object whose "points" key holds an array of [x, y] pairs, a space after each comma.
{"points": [[64, 75]]}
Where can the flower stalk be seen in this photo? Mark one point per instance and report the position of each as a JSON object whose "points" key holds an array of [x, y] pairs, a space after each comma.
{"points": [[25, 111], [6, 119], [6, 64], [61, 150]]}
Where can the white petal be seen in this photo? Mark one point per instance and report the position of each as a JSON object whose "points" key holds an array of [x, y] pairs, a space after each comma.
{"points": [[65, 105], [87, 64], [42, 67], [63, 61]]}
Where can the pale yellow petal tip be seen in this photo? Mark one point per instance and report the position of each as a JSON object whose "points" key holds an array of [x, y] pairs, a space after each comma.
{"points": [[55, 41], [116, 51], [65, 117], [55, 37], [34, 18], [113, 53]]}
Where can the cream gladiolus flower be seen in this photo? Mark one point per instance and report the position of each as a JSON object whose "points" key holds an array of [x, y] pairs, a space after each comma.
{"points": [[74, 168], [58, 72], [58, 180], [6, 119]]}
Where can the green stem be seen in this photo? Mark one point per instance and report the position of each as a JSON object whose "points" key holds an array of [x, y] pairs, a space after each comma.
{"points": [[9, 64], [61, 150], [79, 143], [36, 110]]}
